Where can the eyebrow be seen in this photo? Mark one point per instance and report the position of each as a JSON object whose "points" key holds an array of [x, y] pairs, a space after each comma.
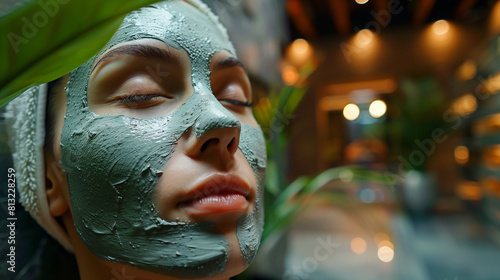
{"points": [[138, 51], [229, 62]]}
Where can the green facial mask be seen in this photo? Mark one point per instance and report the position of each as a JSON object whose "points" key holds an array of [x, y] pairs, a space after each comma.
{"points": [[113, 162]]}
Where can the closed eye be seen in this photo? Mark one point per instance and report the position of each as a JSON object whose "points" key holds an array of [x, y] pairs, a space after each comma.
{"points": [[237, 103], [233, 94], [139, 101]]}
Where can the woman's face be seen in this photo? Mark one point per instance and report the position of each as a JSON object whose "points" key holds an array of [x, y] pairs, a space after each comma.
{"points": [[163, 156]]}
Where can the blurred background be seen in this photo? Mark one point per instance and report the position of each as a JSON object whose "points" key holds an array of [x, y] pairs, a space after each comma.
{"points": [[406, 91]]}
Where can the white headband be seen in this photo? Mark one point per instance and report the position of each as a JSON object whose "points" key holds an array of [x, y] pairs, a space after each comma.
{"points": [[25, 116]]}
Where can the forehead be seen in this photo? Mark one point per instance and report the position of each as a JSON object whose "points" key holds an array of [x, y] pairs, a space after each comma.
{"points": [[177, 24]]}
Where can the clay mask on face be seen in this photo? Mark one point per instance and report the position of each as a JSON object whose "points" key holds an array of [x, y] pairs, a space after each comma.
{"points": [[113, 162]]}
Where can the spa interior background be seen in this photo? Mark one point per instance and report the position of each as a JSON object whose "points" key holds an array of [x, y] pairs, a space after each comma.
{"points": [[383, 127]]}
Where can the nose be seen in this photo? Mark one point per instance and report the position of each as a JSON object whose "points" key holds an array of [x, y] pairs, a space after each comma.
{"points": [[215, 135], [221, 142]]}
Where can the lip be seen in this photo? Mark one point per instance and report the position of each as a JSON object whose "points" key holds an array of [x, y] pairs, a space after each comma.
{"points": [[218, 194]]}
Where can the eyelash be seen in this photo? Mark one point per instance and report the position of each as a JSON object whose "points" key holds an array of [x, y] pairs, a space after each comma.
{"points": [[137, 98], [238, 103]]}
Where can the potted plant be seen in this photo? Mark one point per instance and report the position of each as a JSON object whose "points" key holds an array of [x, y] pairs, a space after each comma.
{"points": [[417, 129]]}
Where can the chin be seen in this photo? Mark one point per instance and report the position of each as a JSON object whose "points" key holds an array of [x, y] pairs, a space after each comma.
{"points": [[235, 266]]}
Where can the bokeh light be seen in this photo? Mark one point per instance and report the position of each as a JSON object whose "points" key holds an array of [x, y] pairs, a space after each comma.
{"points": [[377, 108], [299, 52], [461, 154], [351, 111], [468, 70], [385, 254], [290, 75], [300, 46], [358, 245], [464, 105], [441, 27], [364, 37]]}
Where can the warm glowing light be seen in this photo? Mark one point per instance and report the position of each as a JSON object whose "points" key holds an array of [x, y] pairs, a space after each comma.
{"points": [[494, 21], [440, 27], [385, 247], [491, 186], [464, 105], [377, 108], [351, 111], [300, 46], [491, 155], [461, 154], [364, 37], [361, 2], [385, 243], [492, 85], [470, 190], [363, 50], [468, 70], [487, 125], [358, 245], [299, 52], [290, 75], [385, 254]]}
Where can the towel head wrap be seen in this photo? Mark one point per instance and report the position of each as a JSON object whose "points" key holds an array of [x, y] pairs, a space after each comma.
{"points": [[25, 116]]}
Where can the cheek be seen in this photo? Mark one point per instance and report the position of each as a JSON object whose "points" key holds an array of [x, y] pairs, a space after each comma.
{"points": [[247, 118], [56, 146], [253, 146], [178, 173], [112, 170], [59, 115], [249, 229]]}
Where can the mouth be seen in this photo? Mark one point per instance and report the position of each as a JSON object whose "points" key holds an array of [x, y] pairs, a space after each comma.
{"points": [[219, 194]]}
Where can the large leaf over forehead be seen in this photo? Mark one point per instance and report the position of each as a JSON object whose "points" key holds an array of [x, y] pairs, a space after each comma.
{"points": [[42, 40]]}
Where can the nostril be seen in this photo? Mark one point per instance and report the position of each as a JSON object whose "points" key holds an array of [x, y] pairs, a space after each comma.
{"points": [[205, 145]]}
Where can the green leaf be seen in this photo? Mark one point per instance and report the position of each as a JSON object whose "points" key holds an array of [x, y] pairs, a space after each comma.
{"points": [[296, 196], [46, 39], [283, 97], [295, 100], [292, 190], [272, 183]]}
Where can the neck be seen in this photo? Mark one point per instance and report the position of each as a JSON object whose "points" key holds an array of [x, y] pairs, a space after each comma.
{"points": [[88, 265]]}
